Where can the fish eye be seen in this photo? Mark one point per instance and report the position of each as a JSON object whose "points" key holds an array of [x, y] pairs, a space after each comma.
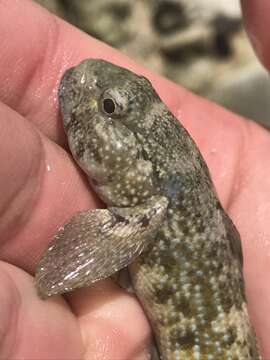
{"points": [[108, 106]]}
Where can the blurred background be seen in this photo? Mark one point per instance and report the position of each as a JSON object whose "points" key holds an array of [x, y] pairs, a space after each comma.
{"points": [[200, 44]]}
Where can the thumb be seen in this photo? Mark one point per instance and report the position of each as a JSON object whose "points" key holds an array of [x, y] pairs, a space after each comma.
{"points": [[256, 17]]}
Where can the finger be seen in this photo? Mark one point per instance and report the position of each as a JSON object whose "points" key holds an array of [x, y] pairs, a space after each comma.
{"points": [[40, 189], [31, 328], [112, 322], [257, 17], [251, 211], [39, 48]]}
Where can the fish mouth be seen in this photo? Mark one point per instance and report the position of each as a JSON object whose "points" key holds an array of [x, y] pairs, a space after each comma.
{"points": [[65, 79], [78, 93]]}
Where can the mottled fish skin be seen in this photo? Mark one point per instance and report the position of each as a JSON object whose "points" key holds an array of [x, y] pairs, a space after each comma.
{"points": [[189, 281]]}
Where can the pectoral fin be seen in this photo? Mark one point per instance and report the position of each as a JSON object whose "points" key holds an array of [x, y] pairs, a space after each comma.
{"points": [[95, 244]]}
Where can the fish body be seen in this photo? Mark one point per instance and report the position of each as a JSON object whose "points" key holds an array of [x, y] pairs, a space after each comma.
{"points": [[164, 220]]}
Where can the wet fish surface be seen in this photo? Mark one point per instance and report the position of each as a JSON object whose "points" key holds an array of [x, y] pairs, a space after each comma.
{"points": [[164, 220]]}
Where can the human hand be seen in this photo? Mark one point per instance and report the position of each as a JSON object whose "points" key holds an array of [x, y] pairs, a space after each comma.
{"points": [[42, 188]]}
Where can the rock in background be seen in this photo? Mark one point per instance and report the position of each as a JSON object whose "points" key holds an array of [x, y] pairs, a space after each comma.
{"points": [[201, 44]]}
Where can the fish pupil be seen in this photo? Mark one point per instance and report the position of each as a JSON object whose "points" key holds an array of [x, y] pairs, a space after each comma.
{"points": [[108, 106]]}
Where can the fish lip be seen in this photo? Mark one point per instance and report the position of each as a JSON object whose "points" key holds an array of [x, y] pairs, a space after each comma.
{"points": [[64, 79], [72, 92]]}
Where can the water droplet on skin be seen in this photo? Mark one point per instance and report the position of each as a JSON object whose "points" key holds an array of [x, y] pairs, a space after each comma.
{"points": [[179, 114]]}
